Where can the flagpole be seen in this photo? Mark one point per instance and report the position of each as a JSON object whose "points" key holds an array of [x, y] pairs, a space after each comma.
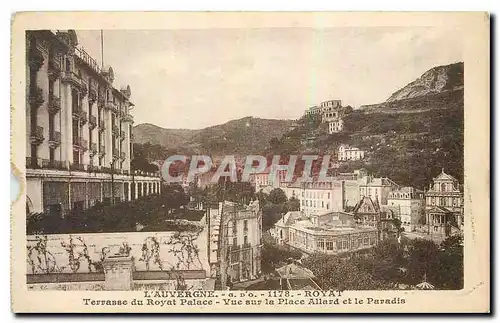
{"points": [[102, 50]]}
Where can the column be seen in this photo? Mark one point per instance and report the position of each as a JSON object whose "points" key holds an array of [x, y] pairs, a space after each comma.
{"points": [[85, 128], [108, 137], [129, 197], [67, 125]]}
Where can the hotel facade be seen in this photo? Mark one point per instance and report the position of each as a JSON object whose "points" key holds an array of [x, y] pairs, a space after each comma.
{"points": [[79, 143]]}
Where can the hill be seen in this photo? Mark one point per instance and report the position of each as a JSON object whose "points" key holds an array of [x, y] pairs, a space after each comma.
{"points": [[436, 80], [242, 136], [168, 138], [408, 138]]}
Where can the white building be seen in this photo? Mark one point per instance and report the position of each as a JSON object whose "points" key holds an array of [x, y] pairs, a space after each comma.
{"points": [[347, 152], [330, 233], [408, 203], [376, 188], [331, 112], [317, 197], [78, 129]]}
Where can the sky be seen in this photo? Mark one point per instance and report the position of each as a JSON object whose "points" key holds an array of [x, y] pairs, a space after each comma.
{"points": [[195, 78]]}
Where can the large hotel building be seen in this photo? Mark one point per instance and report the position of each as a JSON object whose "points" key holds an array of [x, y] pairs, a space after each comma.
{"points": [[78, 128]]}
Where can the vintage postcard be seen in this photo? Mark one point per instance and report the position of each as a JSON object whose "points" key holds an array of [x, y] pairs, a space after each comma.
{"points": [[250, 162]]}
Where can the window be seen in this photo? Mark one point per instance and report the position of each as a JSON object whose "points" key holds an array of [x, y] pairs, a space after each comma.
{"points": [[339, 245], [235, 256], [329, 245], [320, 245], [328, 195], [235, 241], [365, 241], [245, 225], [76, 157], [443, 187], [345, 244]]}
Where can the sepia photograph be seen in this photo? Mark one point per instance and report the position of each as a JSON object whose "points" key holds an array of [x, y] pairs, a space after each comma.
{"points": [[298, 164]]}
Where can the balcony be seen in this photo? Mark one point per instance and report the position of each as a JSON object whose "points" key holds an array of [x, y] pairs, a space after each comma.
{"points": [[36, 97], [84, 145], [101, 126], [32, 163], [77, 167], [80, 143], [122, 135], [93, 149], [56, 164], [36, 136], [83, 117], [92, 122], [55, 139], [55, 63], [115, 131], [111, 106], [100, 100], [93, 92], [128, 118], [76, 110], [54, 67], [74, 79], [54, 104]]}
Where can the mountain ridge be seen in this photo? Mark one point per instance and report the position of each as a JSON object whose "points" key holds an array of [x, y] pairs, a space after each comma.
{"points": [[244, 135], [435, 80]]}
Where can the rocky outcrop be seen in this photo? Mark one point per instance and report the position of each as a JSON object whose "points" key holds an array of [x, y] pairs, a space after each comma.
{"points": [[436, 80]]}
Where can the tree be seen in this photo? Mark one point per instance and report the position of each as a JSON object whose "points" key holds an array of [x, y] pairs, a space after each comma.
{"points": [[422, 258], [333, 272], [451, 263], [277, 196], [174, 196], [293, 204], [274, 256]]}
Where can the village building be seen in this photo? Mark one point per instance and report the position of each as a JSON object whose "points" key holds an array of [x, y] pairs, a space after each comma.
{"points": [[444, 205], [79, 130], [346, 153], [367, 212], [265, 179], [240, 242], [317, 197], [331, 233], [376, 188], [408, 204], [331, 112]]}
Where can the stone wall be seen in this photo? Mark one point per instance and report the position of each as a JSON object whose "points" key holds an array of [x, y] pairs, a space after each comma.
{"points": [[149, 251]]}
